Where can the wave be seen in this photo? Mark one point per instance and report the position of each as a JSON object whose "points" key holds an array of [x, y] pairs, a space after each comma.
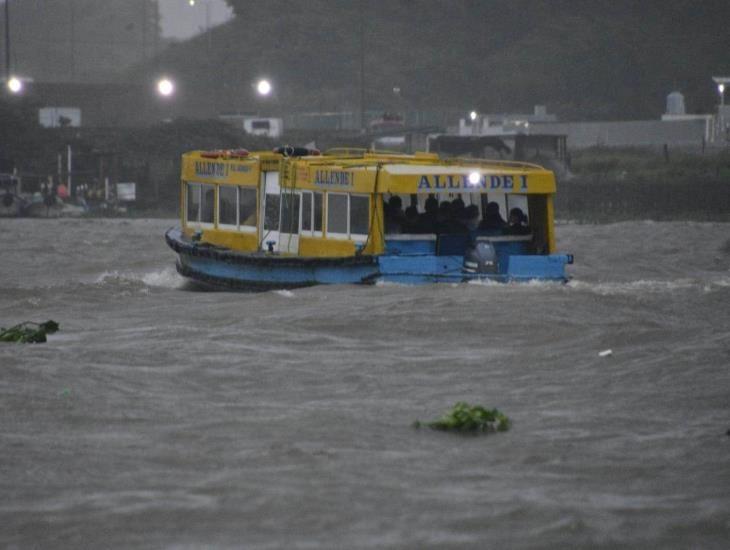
{"points": [[649, 286], [163, 278], [284, 293]]}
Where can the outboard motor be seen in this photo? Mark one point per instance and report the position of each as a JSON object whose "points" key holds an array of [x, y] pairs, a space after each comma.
{"points": [[480, 257]]}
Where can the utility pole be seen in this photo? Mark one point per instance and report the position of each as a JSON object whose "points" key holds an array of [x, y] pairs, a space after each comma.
{"points": [[72, 41], [156, 31], [362, 64], [144, 30], [70, 170], [7, 40]]}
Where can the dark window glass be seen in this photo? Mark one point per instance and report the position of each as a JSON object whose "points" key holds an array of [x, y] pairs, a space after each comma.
{"points": [[359, 215], [318, 211], [336, 213], [247, 206], [193, 202], [289, 213], [207, 203], [227, 205], [271, 215], [306, 211]]}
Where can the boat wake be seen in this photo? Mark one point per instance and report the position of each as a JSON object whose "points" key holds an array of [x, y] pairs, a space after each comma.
{"points": [[650, 286]]}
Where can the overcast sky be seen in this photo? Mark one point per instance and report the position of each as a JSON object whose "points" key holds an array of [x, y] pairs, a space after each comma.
{"points": [[181, 20]]}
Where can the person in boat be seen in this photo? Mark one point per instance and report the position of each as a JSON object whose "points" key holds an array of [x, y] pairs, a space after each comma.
{"points": [[492, 220], [517, 223], [394, 215], [410, 225], [450, 220], [471, 217], [427, 219], [457, 209], [443, 218]]}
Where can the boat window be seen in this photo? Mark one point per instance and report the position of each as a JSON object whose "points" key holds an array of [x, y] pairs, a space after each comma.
{"points": [[312, 212], [337, 211], [449, 213], [227, 205], [517, 201], [289, 213], [318, 199], [193, 200], [306, 211], [207, 203], [359, 214], [271, 215], [247, 208]]}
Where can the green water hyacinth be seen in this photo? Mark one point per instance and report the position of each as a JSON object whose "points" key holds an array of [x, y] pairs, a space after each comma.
{"points": [[28, 332], [470, 418]]}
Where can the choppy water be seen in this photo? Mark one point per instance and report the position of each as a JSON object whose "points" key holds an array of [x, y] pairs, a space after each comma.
{"points": [[161, 417]]}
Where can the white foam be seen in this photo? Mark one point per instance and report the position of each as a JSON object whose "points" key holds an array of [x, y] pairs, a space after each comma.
{"points": [[163, 278], [285, 293], [643, 286]]}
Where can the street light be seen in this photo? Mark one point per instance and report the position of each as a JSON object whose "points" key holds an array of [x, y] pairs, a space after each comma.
{"points": [[473, 115], [263, 87], [165, 87], [15, 85], [721, 82]]}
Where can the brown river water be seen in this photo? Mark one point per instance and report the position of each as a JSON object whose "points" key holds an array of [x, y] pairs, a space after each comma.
{"points": [[161, 416]]}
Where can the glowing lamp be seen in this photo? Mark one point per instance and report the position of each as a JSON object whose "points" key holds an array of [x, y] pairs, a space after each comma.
{"points": [[263, 87], [165, 87], [15, 85]]}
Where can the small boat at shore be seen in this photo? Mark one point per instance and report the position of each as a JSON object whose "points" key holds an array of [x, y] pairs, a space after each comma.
{"points": [[293, 217], [12, 202]]}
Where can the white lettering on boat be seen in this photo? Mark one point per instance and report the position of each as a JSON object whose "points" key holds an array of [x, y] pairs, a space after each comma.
{"points": [[447, 183], [207, 169], [325, 177]]}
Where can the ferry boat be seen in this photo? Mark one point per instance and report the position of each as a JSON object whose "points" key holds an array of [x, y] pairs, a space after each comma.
{"points": [[293, 217]]}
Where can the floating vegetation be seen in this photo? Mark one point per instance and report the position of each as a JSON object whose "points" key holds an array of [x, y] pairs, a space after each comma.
{"points": [[470, 418], [28, 332]]}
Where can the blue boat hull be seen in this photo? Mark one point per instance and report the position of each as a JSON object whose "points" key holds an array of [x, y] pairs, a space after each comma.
{"points": [[230, 269]]}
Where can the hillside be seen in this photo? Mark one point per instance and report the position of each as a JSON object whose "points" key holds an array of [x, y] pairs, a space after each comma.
{"points": [[585, 60]]}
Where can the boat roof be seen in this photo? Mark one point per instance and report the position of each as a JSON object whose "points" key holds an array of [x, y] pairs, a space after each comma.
{"points": [[365, 171]]}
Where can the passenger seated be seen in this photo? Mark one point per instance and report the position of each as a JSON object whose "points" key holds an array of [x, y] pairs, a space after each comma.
{"points": [[458, 208], [394, 216], [427, 219], [493, 220], [517, 223], [443, 218], [471, 217], [410, 225]]}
